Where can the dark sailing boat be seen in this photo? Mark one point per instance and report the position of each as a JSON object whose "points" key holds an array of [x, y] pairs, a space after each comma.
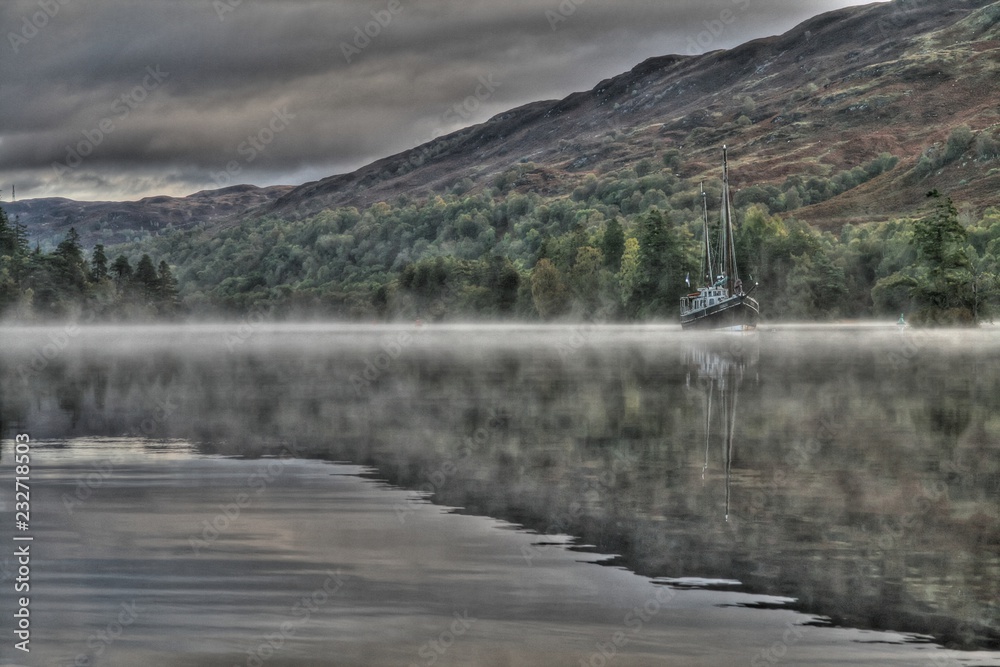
{"points": [[722, 303]]}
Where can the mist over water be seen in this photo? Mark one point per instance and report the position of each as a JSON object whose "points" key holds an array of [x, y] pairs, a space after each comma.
{"points": [[848, 474]]}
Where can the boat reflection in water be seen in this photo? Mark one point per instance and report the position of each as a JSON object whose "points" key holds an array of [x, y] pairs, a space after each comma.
{"points": [[859, 471], [718, 374]]}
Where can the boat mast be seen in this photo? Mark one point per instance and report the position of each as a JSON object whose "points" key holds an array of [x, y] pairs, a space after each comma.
{"points": [[708, 270], [729, 246]]}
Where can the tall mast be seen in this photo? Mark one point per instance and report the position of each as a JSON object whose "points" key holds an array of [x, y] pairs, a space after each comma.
{"points": [[708, 270], [729, 250]]}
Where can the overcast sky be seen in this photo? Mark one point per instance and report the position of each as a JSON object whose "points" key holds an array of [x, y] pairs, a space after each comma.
{"points": [[121, 99]]}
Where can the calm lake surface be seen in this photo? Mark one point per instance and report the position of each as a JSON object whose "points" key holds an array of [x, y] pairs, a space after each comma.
{"points": [[504, 495]]}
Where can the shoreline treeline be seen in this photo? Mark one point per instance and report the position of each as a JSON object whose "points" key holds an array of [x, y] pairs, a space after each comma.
{"points": [[622, 247], [64, 283]]}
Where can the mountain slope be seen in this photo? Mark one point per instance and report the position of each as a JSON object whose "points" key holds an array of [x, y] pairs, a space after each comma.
{"points": [[831, 94]]}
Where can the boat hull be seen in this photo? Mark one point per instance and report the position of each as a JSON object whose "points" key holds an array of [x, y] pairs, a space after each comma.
{"points": [[738, 313]]}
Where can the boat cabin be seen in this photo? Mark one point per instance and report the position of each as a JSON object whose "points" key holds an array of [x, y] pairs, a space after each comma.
{"points": [[705, 297]]}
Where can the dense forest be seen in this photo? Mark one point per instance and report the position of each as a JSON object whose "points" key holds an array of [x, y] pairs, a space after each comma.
{"points": [[621, 246], [64, 283]]}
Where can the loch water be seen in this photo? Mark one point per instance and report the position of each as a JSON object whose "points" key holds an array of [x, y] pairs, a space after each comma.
{"points": [[323, 494]]}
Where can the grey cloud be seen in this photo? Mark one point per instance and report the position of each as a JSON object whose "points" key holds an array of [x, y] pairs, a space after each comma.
{"points": [[226, 77]]}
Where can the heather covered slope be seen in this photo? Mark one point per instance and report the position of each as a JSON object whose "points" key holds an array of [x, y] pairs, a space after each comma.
{"points": [[828, 96], [832, 94]]}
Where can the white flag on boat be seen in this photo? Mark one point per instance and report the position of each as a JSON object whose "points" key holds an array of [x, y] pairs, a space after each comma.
{"points": [[687, 279]]}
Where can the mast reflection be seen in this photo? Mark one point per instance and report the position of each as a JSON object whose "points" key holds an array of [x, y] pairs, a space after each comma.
{"points": [[720, 371]]}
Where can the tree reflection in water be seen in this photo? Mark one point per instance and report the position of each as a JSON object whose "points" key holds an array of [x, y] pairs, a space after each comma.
{"points": [[854, 471]]}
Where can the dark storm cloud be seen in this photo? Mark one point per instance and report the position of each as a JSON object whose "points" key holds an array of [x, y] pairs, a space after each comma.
{"points": [[115, 98]]}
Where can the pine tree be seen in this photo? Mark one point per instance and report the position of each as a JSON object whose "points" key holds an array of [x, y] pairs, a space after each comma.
{"points": [[169, 301], [21, 238], [98, 264], [944, 279], [628, 276], [8, 263], [8, 243], [663, 265], [13, 238], [122, 271], [503, 281], [145, 277], [613, 245], [71, 266]]}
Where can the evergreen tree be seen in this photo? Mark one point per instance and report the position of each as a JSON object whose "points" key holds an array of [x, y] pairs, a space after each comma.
{"points": [[169, 301], [8, 263], [21, 237], [8, 244], [71, 267], [613, 245], [816, 287], [503, 282], [664, 262], [122, 272], [944, 284], [98, 264], [585, 278], [628, 276], [654, 249], [380, 299], [70, 248], [13, 238], [145, 277]]}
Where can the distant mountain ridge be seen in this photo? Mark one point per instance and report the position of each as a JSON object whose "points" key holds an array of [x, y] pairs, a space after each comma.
{"points": [[831, 94], [117, 222]]}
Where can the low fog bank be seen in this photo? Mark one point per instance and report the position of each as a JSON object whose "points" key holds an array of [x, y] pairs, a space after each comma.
{"points": [[40, 345]]}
